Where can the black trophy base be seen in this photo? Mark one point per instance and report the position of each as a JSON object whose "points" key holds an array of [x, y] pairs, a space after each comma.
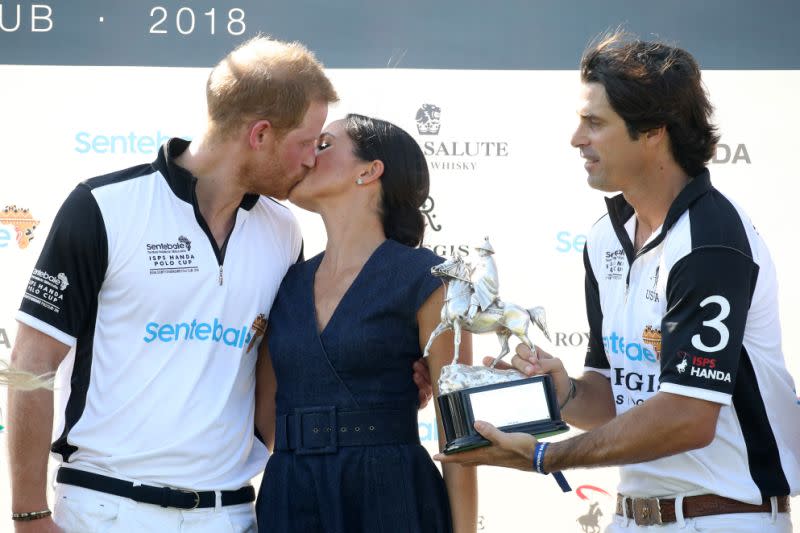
{"points": [[523, 406]]}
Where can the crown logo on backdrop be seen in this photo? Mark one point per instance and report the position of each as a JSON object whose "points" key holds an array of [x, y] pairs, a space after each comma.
{"points": [[428, 119]]}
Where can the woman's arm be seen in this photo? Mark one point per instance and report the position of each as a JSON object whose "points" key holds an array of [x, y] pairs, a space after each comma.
{"points": [[266, 386], [461, 481]]}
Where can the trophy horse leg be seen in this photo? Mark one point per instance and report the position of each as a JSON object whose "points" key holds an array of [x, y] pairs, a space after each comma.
{"points": [[503, 334], [522, 332], [441, 328], [523, 336], [457, 339], [538, 317]]}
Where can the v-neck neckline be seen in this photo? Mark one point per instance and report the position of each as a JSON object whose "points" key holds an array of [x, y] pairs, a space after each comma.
{"points": [[335, 313]]}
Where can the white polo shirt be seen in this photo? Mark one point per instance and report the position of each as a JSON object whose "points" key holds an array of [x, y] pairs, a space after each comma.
{"points": [[164, 325], [695, 313]]}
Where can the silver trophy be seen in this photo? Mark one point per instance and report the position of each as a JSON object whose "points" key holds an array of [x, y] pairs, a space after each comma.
{"points": [[505, 398]]}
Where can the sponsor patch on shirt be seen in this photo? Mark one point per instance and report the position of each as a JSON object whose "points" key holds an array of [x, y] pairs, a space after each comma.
{"points": [[615, 264], [47, 289], [171, 257], [701, 367]]}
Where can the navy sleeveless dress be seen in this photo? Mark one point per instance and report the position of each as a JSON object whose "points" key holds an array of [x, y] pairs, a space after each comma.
{"points": [[347, 456]]}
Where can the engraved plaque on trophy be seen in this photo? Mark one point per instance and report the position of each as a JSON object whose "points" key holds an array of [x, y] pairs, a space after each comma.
{"points": [[507, 399]]}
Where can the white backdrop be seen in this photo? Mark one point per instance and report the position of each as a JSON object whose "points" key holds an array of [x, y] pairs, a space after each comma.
{"points": [[527, 191]]}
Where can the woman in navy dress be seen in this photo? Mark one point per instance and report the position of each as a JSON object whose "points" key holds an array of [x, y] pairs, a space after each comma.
{"points": [[344, 331]]}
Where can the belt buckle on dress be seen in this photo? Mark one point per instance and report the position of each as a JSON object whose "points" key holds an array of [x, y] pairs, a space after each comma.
{"points": [[331, 430], [646, 511]]}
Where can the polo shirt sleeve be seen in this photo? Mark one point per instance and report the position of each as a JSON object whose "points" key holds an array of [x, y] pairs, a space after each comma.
{"points": [[61, 297], [596, 359], [708, 297]]}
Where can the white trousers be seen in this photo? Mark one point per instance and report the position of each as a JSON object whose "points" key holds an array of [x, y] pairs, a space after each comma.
{"points": [[79, 510], [722, 523]]}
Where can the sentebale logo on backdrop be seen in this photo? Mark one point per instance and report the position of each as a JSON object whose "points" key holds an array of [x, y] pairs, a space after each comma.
{"points": [[23, 222]]}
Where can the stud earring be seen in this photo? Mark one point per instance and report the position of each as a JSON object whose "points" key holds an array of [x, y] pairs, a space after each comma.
{"points": [[359, 181]]}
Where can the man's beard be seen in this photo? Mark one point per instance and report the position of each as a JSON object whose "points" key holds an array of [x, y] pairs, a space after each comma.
{"points": [[268, 179]]}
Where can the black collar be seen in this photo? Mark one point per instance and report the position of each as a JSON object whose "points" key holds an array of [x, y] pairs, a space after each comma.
{"points": [[181, 181], [620, 211]]}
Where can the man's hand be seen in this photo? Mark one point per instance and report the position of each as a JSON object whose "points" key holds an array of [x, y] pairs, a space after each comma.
{"points": [[42, 525], [529, 362], [535, 362], [422, 378], [510, 450]]}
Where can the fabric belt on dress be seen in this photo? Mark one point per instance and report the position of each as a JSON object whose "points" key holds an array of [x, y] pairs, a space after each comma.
{"points": [[657, 511], [321, 430], [163, 496]]}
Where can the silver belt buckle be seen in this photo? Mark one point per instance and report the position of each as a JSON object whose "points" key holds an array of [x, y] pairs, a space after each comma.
{"points": [[646, 511], [193, 493]]}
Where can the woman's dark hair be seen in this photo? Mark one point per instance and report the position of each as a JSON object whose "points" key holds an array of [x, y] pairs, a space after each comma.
{"points": [[651, 84], [405, 181]]}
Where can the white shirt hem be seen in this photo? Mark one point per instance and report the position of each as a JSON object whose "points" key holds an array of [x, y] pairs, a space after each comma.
{"points": [[694, 392], [46, 328]]}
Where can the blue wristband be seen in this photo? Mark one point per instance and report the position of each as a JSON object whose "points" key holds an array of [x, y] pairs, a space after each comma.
{"points": [[538, 456], [538, 466]]}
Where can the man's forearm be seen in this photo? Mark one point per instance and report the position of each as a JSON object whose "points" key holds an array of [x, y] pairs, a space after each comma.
{"points": [[664, 425], [30, 426], [593, 404]]}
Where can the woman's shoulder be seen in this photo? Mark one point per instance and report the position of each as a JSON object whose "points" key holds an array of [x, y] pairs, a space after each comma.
{"points": [[297, 271], [413, 257], [411, 273]]}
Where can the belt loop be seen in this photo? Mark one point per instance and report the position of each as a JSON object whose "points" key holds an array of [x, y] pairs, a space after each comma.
{"points": [[625, 511], [679, 518], [773, 502], [217, 501], [281, 433], [135, 485], [165, 493]]}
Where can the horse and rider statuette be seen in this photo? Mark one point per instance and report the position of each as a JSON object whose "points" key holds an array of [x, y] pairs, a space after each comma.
{"points": [[472, 303]]}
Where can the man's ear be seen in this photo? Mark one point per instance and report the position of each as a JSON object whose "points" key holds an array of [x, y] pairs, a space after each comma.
{"points": [[259, 132], [371, 172], [656, 135]]}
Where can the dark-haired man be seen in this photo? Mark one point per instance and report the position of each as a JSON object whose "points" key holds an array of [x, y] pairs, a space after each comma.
{"points": [[680, 293]]}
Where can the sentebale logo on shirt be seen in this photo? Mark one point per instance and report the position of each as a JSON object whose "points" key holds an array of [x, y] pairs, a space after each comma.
{"points": [[197, 331], [615, 344]]}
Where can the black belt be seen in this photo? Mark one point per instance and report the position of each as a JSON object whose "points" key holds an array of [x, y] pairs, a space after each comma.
{"points": [[163, 496], [321, 430]]}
